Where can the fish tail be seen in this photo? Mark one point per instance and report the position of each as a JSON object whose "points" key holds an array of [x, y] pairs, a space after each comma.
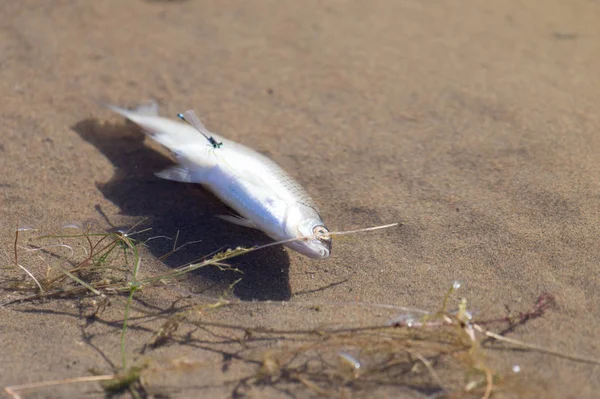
{"points": [[161, 130]]}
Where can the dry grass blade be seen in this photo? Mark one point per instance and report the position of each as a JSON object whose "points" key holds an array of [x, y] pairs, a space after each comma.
{"points": [[537, 348], [420, 349], [14, 390], [16, 254]]}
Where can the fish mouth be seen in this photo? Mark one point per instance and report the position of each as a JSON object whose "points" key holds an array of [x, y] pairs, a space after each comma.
{"points": [[316, 246], [321, 233], [322, 253], [312, 248], [327, 243]]}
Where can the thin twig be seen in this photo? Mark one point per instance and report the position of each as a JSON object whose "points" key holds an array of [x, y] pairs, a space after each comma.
{"points": [[21, 267], [536, 347], [12, 390], [431, 370]]}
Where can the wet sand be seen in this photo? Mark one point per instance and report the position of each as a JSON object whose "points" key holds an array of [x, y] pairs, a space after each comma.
{"points": [[474, 124]]}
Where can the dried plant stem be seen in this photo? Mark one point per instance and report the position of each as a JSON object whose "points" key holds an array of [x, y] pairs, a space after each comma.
{"points": [[538, 348], [21, 267], [133, 287], [430, 368], [13, 390]]}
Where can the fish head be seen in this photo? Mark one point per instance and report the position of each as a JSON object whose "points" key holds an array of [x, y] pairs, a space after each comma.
{"points": [[314, 239]]}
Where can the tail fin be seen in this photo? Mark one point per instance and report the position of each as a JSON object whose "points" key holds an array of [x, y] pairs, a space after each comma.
{"points": [[174, 135]]}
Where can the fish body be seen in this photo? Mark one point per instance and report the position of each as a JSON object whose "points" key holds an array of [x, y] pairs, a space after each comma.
{"points": [[261, 192]]}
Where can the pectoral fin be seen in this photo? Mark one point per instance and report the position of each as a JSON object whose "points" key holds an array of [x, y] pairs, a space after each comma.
{"points": [[184, 174], [176, 173], [240, 221]]}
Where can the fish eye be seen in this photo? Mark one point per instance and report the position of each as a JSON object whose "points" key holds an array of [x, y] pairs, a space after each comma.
{"points": [[321, 233]]}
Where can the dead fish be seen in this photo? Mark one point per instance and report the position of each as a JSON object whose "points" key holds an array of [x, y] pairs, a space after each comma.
{"points": [[262, 193]]}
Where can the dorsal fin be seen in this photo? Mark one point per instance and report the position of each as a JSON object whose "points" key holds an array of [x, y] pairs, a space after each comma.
{"points": [[149, 109]]}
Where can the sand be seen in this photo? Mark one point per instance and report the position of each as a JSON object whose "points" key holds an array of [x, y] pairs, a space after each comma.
{"points": [[474, 124]]}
